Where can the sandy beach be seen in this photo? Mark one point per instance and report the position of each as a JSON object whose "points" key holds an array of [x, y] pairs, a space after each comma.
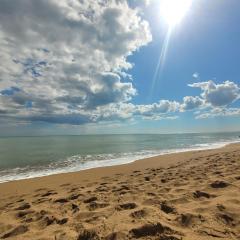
{"points": [[191, 195]]}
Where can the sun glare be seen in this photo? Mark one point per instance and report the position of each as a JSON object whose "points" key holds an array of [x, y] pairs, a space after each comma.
{"points": [[173, 11]]}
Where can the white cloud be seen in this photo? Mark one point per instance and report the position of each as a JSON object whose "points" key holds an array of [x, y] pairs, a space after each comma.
{"points": [[190, 103], [166, 109], [218, 95], [157, 110], [219, 112], [215, 99], [125, 111], [67, 57], [195, 75]]}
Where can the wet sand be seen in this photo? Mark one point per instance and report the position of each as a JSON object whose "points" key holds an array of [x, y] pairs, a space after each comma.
{"points": [[192, 195]]}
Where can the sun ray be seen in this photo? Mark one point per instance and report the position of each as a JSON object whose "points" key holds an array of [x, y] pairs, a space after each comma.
{"points": [[161, 60], [172, 11]]}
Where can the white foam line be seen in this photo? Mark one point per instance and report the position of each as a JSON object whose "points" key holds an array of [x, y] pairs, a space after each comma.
{"points": [[109, 162]]}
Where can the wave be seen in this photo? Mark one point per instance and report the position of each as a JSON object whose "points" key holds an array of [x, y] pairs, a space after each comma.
{"points": [[82, 162]]}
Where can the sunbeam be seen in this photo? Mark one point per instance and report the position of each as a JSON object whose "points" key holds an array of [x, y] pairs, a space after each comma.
{"points": [[172, 12], [161, 60]]}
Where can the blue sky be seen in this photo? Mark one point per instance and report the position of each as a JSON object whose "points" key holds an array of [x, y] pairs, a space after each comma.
{"points": [[207, 42], [93, 68]]}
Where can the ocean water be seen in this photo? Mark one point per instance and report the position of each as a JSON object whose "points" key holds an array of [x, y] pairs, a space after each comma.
{"points": [[28, 157]]}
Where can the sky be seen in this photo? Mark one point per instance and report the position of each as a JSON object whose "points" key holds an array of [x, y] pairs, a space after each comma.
{"points": [[119, 66]]}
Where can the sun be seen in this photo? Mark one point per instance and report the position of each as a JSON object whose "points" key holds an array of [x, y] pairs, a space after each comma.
{"points": [[173, 11]]}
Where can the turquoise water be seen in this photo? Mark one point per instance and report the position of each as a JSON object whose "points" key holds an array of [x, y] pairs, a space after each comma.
{"points": [[26, 157]]}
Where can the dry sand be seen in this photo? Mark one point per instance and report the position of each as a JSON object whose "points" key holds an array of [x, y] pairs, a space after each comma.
{"points": [[192, 195]]}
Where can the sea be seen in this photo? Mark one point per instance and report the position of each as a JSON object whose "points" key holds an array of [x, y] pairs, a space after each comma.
{"points": [[29, 157]]}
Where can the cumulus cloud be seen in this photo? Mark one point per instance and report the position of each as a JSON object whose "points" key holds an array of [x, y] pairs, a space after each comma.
{"points": [[125, 111], [66, 58], [190, 103], [218, 95], [157, 110], [218, 112], [214, 101]]}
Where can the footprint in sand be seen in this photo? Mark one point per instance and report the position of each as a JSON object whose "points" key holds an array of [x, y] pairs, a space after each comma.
{"points": [[23, 206], [200, 194], [147, 178], [154, 230], [139, 214], [62, 221], [219, 184], [151, 194], [220, 207], [91, 199], [22, 214], [95, 205], [74, 196], [16, 231], [61, 200], [226, 219], [75, 208], [88, 235], [48, 193], [46, 221], [189, 219], [126, 206], [167, 208]]}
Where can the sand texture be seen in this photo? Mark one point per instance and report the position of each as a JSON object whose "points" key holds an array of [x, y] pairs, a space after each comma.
{"points": [[193, 195]]}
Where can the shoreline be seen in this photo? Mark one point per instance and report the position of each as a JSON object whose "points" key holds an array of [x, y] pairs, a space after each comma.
{"points": [[120, 161], [164, 160]]}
